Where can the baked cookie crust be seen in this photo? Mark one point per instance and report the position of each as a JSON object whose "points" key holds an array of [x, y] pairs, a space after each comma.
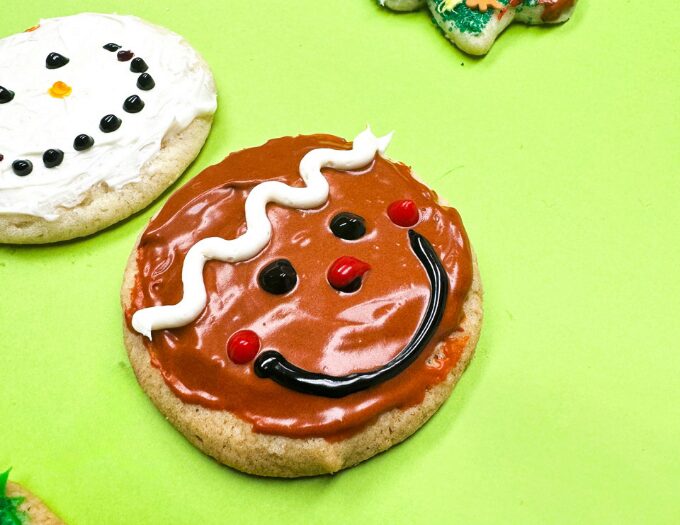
{"points": [[38, 513]]}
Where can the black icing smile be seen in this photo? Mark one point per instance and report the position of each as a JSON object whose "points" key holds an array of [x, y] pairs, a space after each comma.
{"points": [[273, 365]]}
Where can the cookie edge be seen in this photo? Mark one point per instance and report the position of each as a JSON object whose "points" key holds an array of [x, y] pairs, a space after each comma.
{"points": [[38, 513]]}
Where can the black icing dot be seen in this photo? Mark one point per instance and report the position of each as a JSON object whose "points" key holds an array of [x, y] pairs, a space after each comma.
{"points": [[278, 277], [5, 95], [351, 287], [138, 65], [145, 82], [55, 61], [133, 104], [112, 47], [124, 56], [53, 157], [109, 123], [83, 142], [348, 226], [22, 167], [2, 157]]}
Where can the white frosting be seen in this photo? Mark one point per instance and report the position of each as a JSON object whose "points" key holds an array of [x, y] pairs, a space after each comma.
{"points": [[259, 229], [35, 121]]}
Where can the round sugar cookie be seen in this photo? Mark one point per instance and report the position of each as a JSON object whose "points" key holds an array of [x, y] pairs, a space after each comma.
{"points": [[301, 306], [98, 115], [18, 505]]}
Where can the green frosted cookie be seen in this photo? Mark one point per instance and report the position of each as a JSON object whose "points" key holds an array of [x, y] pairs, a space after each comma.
{"points": [[474, 25]]}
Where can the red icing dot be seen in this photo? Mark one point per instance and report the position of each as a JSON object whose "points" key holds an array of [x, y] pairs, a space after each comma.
{"points": [[403, 213], [243, 346], [345, 270]]}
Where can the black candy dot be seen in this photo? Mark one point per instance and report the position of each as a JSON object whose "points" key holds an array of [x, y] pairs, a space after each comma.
{"points": [[112, 47], [22, 167], [348, 226], [145, 82], [133, 104], [83, 142], [5, 95], [138, 65], [351, 287], [124, 56], [278, 277], [53, 157], [55, 61], [109, 123]]}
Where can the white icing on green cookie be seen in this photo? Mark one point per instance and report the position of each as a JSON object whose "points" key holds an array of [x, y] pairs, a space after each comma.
{"points": [[62, 79]]}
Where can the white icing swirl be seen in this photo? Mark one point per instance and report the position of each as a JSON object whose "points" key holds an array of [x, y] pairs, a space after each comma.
{"points": [[35, 121], [258, 228]]}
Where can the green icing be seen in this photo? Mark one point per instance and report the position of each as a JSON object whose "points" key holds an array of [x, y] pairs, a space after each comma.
{"points": [[9, 507], [473, 20]]}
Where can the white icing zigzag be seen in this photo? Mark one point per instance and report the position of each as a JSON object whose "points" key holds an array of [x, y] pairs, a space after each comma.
{"points": [[366, 145]]}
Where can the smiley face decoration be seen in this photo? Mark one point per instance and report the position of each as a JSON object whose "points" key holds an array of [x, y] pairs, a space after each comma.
{"points": [[474, 25], [307, 288], [91, 111]]}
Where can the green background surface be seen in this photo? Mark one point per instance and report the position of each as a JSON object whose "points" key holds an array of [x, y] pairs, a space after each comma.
{"points": [[560, 150]]}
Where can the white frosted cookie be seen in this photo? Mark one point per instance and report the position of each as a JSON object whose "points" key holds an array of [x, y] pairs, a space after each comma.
{"points": [[317, 311], [474, 25], [98, 115]]}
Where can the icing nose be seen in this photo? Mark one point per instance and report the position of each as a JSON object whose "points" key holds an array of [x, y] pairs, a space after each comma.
{"points": [[345, 273]]}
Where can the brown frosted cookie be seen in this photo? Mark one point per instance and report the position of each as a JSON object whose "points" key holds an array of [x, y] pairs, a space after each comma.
{"points": [[95, 129], [18, 505], [311, 336]]}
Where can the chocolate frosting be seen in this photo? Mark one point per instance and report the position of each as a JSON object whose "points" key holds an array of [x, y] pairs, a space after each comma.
{"points": [[553, 9], [314, 326]]}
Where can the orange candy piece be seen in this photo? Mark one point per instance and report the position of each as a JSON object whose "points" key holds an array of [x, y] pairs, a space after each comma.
{"points": [[60, 90]]}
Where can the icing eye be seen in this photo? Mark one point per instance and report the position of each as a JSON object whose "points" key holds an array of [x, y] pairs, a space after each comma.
{"points": [[83, 142], [138, 65], [6, 95], [53, 157], [243, 346], [345, 273], [124, 56], [112, 47], [109, 123], [403, 213], [55, 61], [2, 157], [348, 226], [278, 278], [145, 82], [22, 167], [133, 104]]}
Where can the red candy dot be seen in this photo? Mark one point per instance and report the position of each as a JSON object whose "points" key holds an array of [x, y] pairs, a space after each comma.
{"points": [[403, 213], [243, 346], [345, 270]]}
